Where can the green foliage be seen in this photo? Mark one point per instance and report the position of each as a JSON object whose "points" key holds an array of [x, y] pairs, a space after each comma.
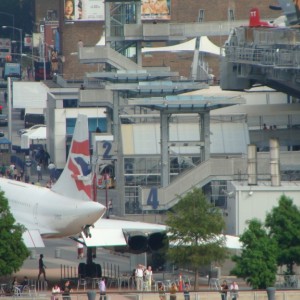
{"points": [[258, 261], [284, 226], [13, 252], [195, 227]]}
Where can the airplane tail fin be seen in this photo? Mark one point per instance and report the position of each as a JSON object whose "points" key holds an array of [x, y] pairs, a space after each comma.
{"points": [[76, 180], [254, 19]]}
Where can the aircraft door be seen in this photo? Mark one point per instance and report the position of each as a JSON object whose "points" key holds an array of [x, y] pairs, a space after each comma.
{"points": [[35, 214]]}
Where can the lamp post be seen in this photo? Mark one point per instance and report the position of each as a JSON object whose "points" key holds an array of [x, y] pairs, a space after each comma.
{"points": [[9, 109], [21, 43], [13, 20]]}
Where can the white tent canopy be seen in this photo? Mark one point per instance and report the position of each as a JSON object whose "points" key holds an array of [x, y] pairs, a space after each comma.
{"points": [[38, 136], [205, 46]]}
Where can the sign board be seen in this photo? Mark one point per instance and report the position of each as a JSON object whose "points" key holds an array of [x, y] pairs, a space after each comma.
{"points": [[83, 10]]}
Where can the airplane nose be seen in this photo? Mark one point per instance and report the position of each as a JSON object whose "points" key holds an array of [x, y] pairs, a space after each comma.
{"points": [[96, 211]]}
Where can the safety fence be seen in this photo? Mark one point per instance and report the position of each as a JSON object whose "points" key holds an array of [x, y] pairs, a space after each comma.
{"points": [[267, 57], [203, 295]]}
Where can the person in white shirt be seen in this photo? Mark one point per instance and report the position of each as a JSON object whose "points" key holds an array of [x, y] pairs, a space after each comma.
{"points": [[148, 278], [234, 289], [55, 292], [102, 289], [39, 172], [139, 274]]}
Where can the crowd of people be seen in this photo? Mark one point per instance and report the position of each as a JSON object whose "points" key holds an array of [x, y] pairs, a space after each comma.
{"points": [[17, 173], [144, 281]]}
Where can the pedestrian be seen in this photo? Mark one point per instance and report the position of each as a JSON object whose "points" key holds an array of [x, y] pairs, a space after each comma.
{"points": [[15, 173], [39, 171], [224, 290], [42, 268], [51, 168], [234, 290], [24, 283], [139, 274], [161, 291], [3, 170], [148, 278], [66, 291], [80, 44], [80, 251], [110, 207], [173, 291], [186, 291], [102, 289], [55, 292]]}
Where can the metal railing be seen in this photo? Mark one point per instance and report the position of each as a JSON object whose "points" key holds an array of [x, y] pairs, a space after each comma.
{"points": [[205, 294], [266, 57]]}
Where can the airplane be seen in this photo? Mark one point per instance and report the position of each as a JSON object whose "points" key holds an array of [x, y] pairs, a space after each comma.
{"points": [[69, 208]]}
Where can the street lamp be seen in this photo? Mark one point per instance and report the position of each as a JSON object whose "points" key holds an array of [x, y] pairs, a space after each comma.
{"points": [[13, 20], [21, 35]]}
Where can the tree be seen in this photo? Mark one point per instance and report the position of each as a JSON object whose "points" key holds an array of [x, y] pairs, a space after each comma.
{"points": [[258, 261], [13, 252], [284, 225], [195, 228]]}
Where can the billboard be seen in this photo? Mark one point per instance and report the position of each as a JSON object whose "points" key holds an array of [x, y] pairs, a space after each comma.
{"points": [[156, 9], [83, 10], [5, 48]]}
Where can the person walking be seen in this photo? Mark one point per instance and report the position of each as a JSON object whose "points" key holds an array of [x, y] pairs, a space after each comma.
{"points": [[42, 268], [39, 172], [102, 289]]}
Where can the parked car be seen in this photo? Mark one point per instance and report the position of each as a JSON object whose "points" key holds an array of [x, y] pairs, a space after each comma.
{"points": [[26, 130], [3, 120], [1, 134]]}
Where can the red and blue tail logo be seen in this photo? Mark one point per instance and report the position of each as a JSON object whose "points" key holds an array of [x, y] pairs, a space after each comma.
{"points": [[79, 165]]}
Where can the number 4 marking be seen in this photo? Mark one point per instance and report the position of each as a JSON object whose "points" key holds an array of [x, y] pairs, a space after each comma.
{"points": [[152, 198]]}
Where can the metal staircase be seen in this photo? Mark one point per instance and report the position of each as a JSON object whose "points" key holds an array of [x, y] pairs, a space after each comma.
{"points": [[212, 169], [104, 54]]}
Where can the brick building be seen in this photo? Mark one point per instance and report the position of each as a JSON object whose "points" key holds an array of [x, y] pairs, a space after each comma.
{"points": [[188, 11]]}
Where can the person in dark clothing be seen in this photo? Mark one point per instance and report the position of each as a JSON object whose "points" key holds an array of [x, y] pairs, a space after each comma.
{"points": [[42, 268], [224, 290], [24, 283], [66, 291]]}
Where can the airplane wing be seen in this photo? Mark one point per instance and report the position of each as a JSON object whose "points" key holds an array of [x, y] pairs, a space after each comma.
{"points": [[33, 239], [136, 236]]}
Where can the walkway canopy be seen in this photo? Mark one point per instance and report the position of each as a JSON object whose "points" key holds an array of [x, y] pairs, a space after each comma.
{"points": [[5, 144], [38, 136]]}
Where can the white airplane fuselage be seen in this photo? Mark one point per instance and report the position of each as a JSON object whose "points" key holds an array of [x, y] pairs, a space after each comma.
{"points": [[54, 215]]}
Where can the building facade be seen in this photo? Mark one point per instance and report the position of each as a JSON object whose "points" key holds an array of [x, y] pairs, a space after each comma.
{"points": [[189, 11]]}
